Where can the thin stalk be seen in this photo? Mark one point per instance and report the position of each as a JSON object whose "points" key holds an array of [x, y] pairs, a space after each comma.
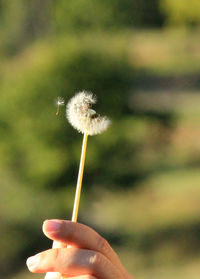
{"points": [[79, 183], [80, 178]]}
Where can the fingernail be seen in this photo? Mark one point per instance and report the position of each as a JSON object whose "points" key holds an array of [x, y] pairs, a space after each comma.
{"points": [[52, 225], [33, 262]]}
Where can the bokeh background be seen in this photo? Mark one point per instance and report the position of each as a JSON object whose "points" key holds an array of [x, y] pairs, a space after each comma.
{"points": [[141, 187]]}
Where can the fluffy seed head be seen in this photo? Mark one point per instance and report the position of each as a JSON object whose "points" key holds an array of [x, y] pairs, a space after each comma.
{"points": [[82, 117]]}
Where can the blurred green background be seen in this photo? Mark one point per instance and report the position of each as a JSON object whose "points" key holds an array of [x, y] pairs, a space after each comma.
{"points": [[141, 187]]}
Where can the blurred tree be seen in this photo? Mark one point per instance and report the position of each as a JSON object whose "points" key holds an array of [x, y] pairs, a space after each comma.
{"points": [[39, 151], [22, 21], [181, 12], [36, 144], [79, 15]]}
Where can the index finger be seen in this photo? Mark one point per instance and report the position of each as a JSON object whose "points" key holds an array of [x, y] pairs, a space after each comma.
{"points": [[79, 235]]}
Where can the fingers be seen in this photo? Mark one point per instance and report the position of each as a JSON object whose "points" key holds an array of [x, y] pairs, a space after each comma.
{"points": [[73, 262], [79, 235]]}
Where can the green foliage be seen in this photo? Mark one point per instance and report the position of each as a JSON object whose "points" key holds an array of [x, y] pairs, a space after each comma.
{"points": [[22, 21], [79, 15], [39, 151], [41, 146], [135, 170], [182, 12]]}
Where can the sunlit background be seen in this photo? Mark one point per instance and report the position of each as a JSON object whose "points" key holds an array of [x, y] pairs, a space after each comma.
{"points": [[141, 187]]}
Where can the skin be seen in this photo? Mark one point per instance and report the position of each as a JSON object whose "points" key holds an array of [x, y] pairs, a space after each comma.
{"points": [[87, 255]]}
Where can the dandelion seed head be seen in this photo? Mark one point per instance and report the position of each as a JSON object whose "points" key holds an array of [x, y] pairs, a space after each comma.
{"points": [[82, 117]]}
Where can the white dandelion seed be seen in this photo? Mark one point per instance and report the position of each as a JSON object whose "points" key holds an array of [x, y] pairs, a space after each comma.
{"points": [[59, 102], [82, 117]]}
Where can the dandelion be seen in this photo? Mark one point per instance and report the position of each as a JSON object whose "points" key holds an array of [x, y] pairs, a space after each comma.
{"points": [[83, 118], [87, 121], [59, 102]]}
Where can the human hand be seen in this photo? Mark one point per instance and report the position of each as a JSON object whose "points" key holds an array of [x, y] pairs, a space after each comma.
{"points": [[89, 256]]}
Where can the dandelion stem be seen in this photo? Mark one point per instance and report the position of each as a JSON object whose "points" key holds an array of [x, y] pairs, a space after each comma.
{"points": [[80, 178], [79, 183], [78, 188]]}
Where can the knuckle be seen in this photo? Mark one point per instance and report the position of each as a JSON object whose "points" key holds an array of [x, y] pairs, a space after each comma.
{"points": [[98, 262], [102, 245], [56, 255], [97, 259], [71, 232], [57, 259], [68, 231]]}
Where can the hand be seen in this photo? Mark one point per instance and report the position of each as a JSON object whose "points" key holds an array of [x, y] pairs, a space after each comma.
{"points": [[89, 256]]}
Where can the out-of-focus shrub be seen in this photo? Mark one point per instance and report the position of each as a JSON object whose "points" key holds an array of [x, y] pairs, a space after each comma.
{"points": [[39, 151], [22, 21], [181, 12], [79, 15], [35, 143]]}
